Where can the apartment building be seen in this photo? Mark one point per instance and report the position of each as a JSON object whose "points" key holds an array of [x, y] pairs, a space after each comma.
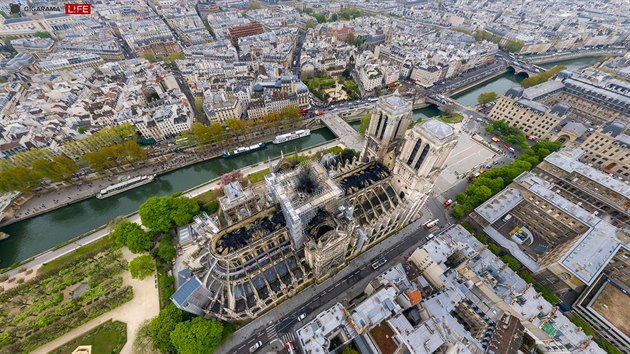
{"points": [[570, 242], [608, 149], [425, 75], [70, 61], [39, 48], [245, 30], [605, 303], [222, 106], [520, 107]]}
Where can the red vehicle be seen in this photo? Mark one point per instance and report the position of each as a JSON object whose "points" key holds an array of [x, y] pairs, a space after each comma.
{"points": [[448, 202], [495, 139], [303, 111], [490, 61], [506, 146]]}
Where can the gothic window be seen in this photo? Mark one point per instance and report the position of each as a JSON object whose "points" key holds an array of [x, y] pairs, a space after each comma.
{"points": [[414, 152], [397, 127], [383, 128], [423, 155], [378, 125]]}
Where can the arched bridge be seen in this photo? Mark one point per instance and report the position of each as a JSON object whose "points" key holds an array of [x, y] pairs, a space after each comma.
{"points": [[521, 67]]}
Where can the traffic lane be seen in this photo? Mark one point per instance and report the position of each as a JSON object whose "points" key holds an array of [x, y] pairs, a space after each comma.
{"points": [[410, 237]]}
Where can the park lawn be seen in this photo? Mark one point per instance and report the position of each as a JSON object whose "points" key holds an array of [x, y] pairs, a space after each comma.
{"points": [[257, 176], [207, 197], [93, 247], [455, 118], [107, 338]]}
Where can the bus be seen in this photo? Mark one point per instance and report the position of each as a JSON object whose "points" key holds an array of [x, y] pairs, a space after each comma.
{"points": [[431, 224]]}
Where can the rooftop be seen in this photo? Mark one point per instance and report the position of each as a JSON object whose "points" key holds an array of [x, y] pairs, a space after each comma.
{"points": [[567, 159], [437, 128]]}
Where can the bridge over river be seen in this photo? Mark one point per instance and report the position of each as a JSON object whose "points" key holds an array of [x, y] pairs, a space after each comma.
{"points": [[345, 132]]}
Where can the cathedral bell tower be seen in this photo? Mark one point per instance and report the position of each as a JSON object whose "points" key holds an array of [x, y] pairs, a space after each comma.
{"points": [[425, 150], [387, 129]]}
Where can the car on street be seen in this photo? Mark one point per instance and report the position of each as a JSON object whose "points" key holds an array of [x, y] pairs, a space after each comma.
{"points": [[301, 317], [448, 202], [255, 347], [379, 263]]}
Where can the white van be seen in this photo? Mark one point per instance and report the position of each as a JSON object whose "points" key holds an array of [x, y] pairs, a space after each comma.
{"points": [[507, 218]]}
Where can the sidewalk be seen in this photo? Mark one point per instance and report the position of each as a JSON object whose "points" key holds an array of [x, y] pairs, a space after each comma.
{"points": [[310, 294], [143, 306]]}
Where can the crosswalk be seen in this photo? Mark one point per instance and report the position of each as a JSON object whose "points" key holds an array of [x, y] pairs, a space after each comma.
{"points": [[289, 337], [272, 334], [271, 331]]}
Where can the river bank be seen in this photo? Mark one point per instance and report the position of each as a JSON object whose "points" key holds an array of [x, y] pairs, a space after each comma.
{"points": [[42, 203], [96, 234], [37, 234]]}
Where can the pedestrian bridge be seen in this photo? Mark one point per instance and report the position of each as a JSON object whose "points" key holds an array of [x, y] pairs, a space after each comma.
{"points": [[342, 130]]}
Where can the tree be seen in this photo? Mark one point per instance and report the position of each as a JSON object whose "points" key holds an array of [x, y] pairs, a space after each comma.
{"points": [[310, 24], [365, 123], [143, 343], [513, 45], [162, 326], [494, 248], [197, 336], [236, 126], [349, 350], [155, 213], [42, 34], [150, 57], [166, 250], [141, 267], [333, 18], [215, 131], [542, 77], [19, 179], [290, 114], [132, 236], [486, 97], [319, 17], [183, 209]]}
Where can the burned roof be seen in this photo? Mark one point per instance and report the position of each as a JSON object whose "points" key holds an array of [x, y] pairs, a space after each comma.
{"points": [[364, 178], [250, 230]]}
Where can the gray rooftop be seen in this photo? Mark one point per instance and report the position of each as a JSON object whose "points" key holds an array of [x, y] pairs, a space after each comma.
{"points": [[567, 159], [540, 90], [437, 128]]}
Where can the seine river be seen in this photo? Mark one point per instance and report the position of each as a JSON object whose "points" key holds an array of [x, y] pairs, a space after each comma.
{"points": [[40, 233]]}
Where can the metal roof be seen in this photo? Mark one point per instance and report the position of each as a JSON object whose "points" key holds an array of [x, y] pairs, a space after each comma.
{"points": [[186, 291]]}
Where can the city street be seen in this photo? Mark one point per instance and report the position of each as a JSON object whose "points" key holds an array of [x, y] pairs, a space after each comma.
{"points": [[281, 322]]}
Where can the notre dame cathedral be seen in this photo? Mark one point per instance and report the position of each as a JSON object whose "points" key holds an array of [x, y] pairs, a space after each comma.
{"points": [[306, 221]]}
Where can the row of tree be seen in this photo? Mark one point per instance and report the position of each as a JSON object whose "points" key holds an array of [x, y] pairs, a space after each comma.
{"points": [[217, 133], [495, 179], [509, 45], [542, 77], [486, 97], [24, 179], [347, 14], [115, 155]]}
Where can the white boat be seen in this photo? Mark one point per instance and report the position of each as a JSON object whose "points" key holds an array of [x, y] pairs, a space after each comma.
{"points": [[4, 236], [291, 136], [124, 186], [242, 150]]}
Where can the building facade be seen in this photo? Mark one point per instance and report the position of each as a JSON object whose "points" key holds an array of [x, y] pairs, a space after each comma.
{"points": [[306, 222]]}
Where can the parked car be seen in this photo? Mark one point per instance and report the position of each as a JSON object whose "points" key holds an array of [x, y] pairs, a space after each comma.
{"points": [[448, 202], [301, 317]]}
